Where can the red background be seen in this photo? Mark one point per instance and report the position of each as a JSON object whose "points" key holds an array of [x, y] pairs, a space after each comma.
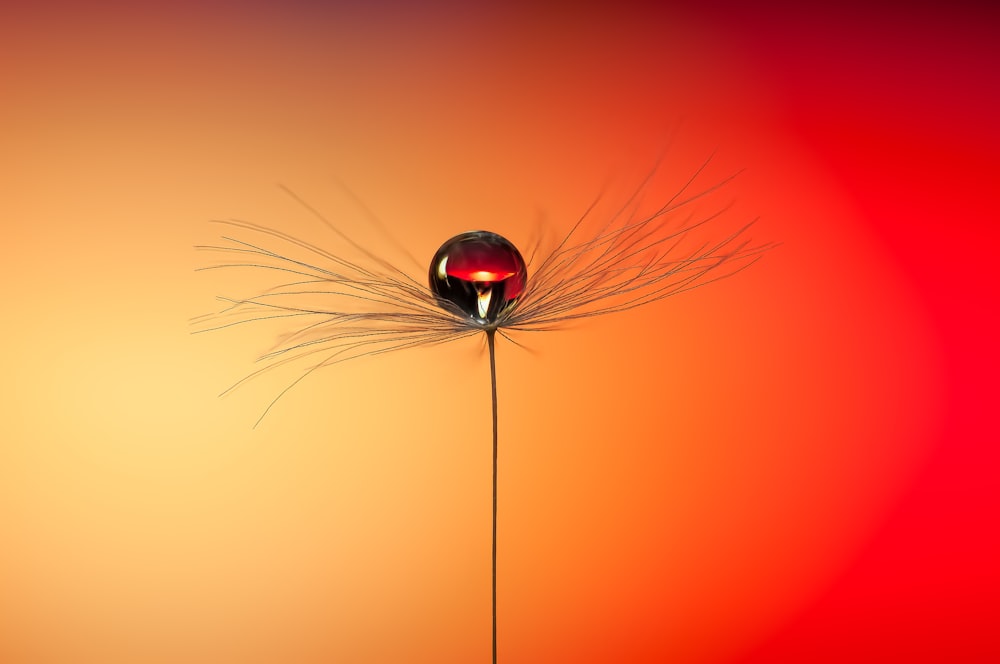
{"points": [[795, 465]]}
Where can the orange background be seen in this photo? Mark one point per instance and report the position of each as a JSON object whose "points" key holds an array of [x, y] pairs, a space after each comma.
{"points": [[797, 464]]}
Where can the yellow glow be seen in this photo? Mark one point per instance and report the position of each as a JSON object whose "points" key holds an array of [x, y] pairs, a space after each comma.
{"points": [[484, 275]]}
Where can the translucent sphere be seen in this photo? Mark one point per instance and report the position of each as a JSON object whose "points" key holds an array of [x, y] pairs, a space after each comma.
{"points": [[480, 272]]}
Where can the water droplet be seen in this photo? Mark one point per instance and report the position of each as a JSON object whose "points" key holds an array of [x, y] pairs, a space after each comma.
{"points": [[482, 273]]}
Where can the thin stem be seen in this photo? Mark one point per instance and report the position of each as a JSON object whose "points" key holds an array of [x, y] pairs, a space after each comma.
{"points": [[490, 334]]}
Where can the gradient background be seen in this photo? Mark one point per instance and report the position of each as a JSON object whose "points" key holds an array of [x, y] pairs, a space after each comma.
{"points": [[796, 465]]}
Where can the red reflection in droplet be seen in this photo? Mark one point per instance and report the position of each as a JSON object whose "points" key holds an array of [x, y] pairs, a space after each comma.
{"points": [[486, 261]]}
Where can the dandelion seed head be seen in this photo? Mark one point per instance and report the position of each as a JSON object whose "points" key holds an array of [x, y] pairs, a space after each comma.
{"points": [[344, 300]]}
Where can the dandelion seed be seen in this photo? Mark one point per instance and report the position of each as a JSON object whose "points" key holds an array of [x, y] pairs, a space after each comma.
{"points": [[478, 283]]}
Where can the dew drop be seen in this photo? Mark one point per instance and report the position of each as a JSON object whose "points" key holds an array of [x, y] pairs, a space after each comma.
{"points": [[482, 273]]}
